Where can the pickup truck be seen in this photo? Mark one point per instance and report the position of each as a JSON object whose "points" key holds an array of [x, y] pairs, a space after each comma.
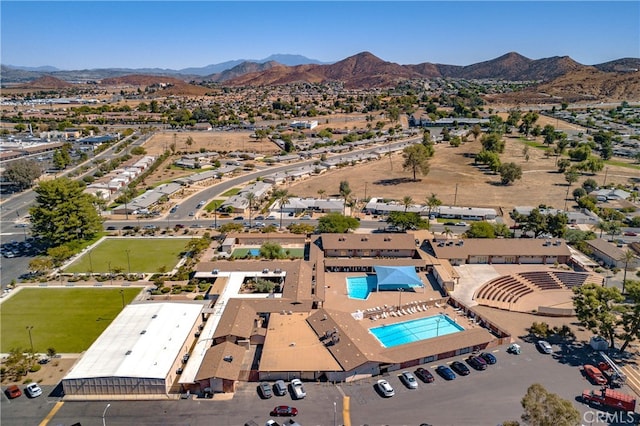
{"points": [[609, 398]]}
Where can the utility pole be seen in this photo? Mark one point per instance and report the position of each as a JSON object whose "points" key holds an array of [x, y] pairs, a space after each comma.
{"points": [[455, 196]]}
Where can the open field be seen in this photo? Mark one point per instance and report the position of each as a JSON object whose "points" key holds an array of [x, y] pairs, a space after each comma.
{"points": [[67, 319], [211, 141], [140, 254], [456, 181]]}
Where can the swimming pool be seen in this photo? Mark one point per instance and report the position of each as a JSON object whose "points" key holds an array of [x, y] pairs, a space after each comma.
{"points": [[360, 287], [254, 252], [415, 330]]}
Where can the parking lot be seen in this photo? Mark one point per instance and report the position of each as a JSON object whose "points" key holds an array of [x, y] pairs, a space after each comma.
{"points": [[486, 397]]}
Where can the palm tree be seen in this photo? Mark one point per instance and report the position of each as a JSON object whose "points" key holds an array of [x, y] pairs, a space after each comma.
{"points": [[447, 232], [433, 202], [251, 197], [321, 192], [628, 256], [602, 226], [407, 201], [345, 192], [282, 195]]}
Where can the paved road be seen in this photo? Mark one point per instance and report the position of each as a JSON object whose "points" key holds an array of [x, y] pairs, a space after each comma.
{"points": [[482, 398]]}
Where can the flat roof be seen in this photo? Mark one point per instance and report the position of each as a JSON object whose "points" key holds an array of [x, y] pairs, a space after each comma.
{"points": [[143, 341], [292, 345], [462, 249]]}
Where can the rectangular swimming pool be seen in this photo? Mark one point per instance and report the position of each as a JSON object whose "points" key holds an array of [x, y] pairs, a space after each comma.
{"points": [[415, 330]]}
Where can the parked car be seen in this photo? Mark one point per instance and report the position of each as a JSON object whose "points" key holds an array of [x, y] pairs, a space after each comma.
{"points": [[238, 218], [13, 391], [192, 213], [461, 223], [514, 348], [477, 362], [284, 410], [33, 390], [385, 388], [424, 375], [280, 388], [409, 380], [489, 358], [545, 346], [297, 389], [445, 372], [265, 390], [259, 217], [449, 224], [594, 374], [460, 368], [631, 234], [305, 217]]}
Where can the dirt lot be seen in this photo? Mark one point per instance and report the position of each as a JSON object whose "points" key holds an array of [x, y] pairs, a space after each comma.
{"points": [[452, 172], [210, 141]]}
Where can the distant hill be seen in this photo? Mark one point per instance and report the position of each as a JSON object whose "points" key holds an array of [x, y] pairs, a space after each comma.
{"points": [[284, 59], [241, 69], [48, 82], [620, 65]]}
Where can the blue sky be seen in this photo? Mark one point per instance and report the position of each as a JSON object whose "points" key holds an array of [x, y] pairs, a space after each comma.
{"points": [[171, 34]]}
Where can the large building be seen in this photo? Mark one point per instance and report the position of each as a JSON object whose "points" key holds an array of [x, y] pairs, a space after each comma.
{"points": [[138, 354]]}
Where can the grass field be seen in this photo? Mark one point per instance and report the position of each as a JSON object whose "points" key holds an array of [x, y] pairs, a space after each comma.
{"points": [[66, 319], [143, 254]]}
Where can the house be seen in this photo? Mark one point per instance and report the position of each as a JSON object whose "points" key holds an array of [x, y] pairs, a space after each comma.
{"points": [[605, 194], [611, 255]]}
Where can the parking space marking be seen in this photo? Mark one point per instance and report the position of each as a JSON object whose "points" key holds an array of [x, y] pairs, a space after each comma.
{"points": [[52, 413]]}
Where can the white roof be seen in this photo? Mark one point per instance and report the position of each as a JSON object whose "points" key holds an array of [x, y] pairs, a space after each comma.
{"points": [[123, 350]]}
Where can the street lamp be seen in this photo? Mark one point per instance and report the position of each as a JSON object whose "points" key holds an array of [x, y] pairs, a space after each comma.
{"points": [[128, 261], [90, 262], [400, 298], [110, 274], [335, 414], [104, 413], [29, 328], [122, 295]]}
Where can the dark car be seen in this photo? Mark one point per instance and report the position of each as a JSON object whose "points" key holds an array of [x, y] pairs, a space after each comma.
{"points": [[111, 228], [238, 218], [449, 224], [265, 390], [477, 362], [460, 368], [13, 391], [489, 358], [445, 372], [424, 375], [284, 410]]}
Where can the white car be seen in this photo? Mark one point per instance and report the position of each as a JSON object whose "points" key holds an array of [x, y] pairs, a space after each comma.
{"points": [[33, 390], [545, 346], [298, 389], [385, 388], [409, 380]]}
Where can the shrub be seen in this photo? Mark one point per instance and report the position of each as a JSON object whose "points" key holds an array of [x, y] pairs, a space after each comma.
{"points": [[539, 329], [34, 368]]}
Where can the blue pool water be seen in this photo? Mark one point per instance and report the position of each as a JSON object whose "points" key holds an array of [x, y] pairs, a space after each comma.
{"points": [[360, 287], [415, 330], [254, 252]]}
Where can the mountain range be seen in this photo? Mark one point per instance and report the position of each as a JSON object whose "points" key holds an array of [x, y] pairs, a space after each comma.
{"points": [[363, 70]]}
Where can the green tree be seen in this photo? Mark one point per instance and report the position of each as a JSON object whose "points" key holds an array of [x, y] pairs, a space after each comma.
{"points": [[271, 250], [480, 229], [534, 222], [345, 193], [543, 408], [282, 196], [433, 202], [407, 202], [630, 319], [492, 142], [416, 159], [63, 212], [22, 172], [596, 308], [336, 223], [138, 150], [20, 127], [627, 257], [407, 220], [563, 165], [509, 173], [251, 198], [528, 120]]}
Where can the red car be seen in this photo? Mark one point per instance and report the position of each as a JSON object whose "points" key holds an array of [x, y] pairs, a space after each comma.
{"points": [[630, 234], [284, 410], [13, 391], [424, 375]]}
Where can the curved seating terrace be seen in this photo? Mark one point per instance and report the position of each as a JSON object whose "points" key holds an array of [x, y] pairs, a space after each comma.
{"points": [[502, 292]]}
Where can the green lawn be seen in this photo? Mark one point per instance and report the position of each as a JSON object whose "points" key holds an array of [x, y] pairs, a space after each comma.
{"points": [[144, 255], [231, 192], [213, 205], [66, 319]]}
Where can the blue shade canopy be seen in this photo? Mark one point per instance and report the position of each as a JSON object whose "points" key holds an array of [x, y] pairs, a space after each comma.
{"points": [[397, 276]]}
